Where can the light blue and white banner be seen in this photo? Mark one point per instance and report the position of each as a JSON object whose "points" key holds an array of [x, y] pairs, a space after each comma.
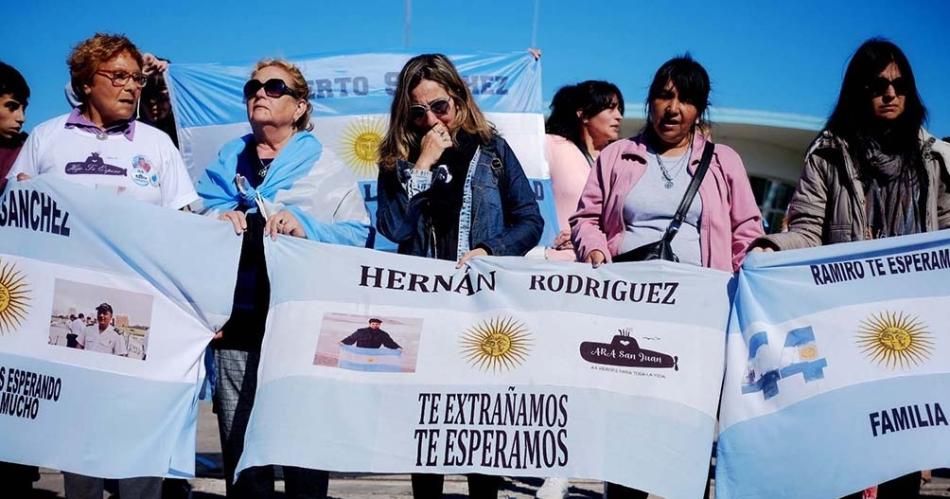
{"points": [[838, 369], [351, 96], [510, 366], [106, 306]]}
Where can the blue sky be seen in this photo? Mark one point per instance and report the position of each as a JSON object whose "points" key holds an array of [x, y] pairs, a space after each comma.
{"points": [[784, 57]]}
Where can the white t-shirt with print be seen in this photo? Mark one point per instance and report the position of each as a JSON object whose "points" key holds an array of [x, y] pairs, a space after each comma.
{"points": [[148, 168], [108, 341]]}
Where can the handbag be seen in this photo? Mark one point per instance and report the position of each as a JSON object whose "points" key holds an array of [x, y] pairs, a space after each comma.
{"points": [[662, 249]]}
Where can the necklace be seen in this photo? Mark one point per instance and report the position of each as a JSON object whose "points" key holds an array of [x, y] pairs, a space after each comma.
{"points": [[264, 168], [678, 167]]}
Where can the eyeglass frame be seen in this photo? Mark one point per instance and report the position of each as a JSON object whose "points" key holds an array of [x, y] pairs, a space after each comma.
{"points": [[120, 81], [430, 107]]}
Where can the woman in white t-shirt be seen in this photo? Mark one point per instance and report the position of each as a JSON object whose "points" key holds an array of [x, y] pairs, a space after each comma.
{"points": [[101, 145]]}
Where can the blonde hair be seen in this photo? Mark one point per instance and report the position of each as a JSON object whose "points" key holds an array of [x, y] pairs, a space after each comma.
{"points": [[400, 138], [297, 83], [89, 54]]}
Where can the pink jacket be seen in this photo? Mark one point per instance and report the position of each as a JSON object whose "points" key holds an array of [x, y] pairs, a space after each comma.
{"points": [[730, 219], [569, 170]]}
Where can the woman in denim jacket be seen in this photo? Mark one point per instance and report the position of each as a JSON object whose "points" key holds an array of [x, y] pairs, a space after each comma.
{"points": [[450, 188]]}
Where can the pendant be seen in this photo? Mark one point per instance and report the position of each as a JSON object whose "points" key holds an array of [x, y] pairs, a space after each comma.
{"points": [[262, 172], [668, 184], [101, 135]]}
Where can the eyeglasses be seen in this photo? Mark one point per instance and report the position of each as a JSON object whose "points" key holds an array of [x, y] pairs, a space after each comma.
{"points": [[121, 78], [879, 85], [419, 111], [273, 88]]}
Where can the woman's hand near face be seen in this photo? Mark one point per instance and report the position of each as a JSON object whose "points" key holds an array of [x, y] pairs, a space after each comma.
{"points": [[237, 219], [596, 258], [284, 223], [434, 143]]}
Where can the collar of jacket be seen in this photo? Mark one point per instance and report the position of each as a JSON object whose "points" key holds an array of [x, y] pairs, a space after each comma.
{"points": [[638, 151]]}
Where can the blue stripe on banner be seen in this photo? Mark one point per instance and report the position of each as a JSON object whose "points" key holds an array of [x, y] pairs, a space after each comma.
{"points": [[799, 336], [838, 442], [757, 341], [768, 278], [373, 352], [211, 94], [140, 240], [671, 433], [103, 424], [369, 367]]}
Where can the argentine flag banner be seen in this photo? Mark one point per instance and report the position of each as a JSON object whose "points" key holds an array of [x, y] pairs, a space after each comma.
{"points": [[106, 306], [377, 362], [838, 368], [351, 96]]}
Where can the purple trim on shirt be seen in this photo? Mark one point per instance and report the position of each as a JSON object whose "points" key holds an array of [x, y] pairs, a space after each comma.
{"points": [[77, 120]]}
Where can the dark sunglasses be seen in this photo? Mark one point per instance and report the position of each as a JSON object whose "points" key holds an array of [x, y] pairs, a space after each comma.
{"points": [[274, 88], [438, 107], [878, 86]]}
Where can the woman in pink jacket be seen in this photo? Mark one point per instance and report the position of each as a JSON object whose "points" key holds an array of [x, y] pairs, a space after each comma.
{"points": [[584, 119], [637, 184]]}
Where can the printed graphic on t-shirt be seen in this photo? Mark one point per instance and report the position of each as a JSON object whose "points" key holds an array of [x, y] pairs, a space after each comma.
{"points": [[94, 165], [143, 174]]}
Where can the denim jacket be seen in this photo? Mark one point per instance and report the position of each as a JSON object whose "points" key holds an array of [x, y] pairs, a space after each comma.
{"points": [[506, 220]]}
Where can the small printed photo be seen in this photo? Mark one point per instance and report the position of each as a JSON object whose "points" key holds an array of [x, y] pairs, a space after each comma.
{"points": [[99, 319], [372, 343]]}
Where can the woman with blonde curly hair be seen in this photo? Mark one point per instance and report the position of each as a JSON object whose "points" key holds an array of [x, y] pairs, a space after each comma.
{"points": [[276, 180]]}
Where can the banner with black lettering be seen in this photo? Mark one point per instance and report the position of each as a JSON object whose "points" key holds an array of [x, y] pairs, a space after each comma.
{"points": [[838, 369], [106, 306], [376, 362]]}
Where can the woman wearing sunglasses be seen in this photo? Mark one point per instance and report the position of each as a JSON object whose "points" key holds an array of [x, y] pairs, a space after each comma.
{"points": [[276, 180], [450, 188], [873, 172]]}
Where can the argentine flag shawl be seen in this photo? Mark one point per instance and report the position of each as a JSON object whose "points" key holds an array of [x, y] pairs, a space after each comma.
{"points": [[305, 179]]}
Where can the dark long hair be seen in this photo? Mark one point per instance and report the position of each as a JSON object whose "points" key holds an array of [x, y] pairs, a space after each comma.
{"points": [[590, 97], [692, 84], [853, 117]]}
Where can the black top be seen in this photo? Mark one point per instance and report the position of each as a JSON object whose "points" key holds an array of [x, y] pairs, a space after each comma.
{"points": [[244, 330], [445, 198], [368, 337]]}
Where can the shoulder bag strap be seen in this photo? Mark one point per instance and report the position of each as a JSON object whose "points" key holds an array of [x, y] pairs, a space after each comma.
{"points": [[691, 191]]}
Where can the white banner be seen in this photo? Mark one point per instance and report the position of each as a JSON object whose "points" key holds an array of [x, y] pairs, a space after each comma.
{"points": [[838, 369], [106, 307], [386, 363]]}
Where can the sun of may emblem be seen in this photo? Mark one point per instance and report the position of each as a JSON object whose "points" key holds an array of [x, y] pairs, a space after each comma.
{"points": [[360, 145], [14, 296], [895, 339], [496, 344]]}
